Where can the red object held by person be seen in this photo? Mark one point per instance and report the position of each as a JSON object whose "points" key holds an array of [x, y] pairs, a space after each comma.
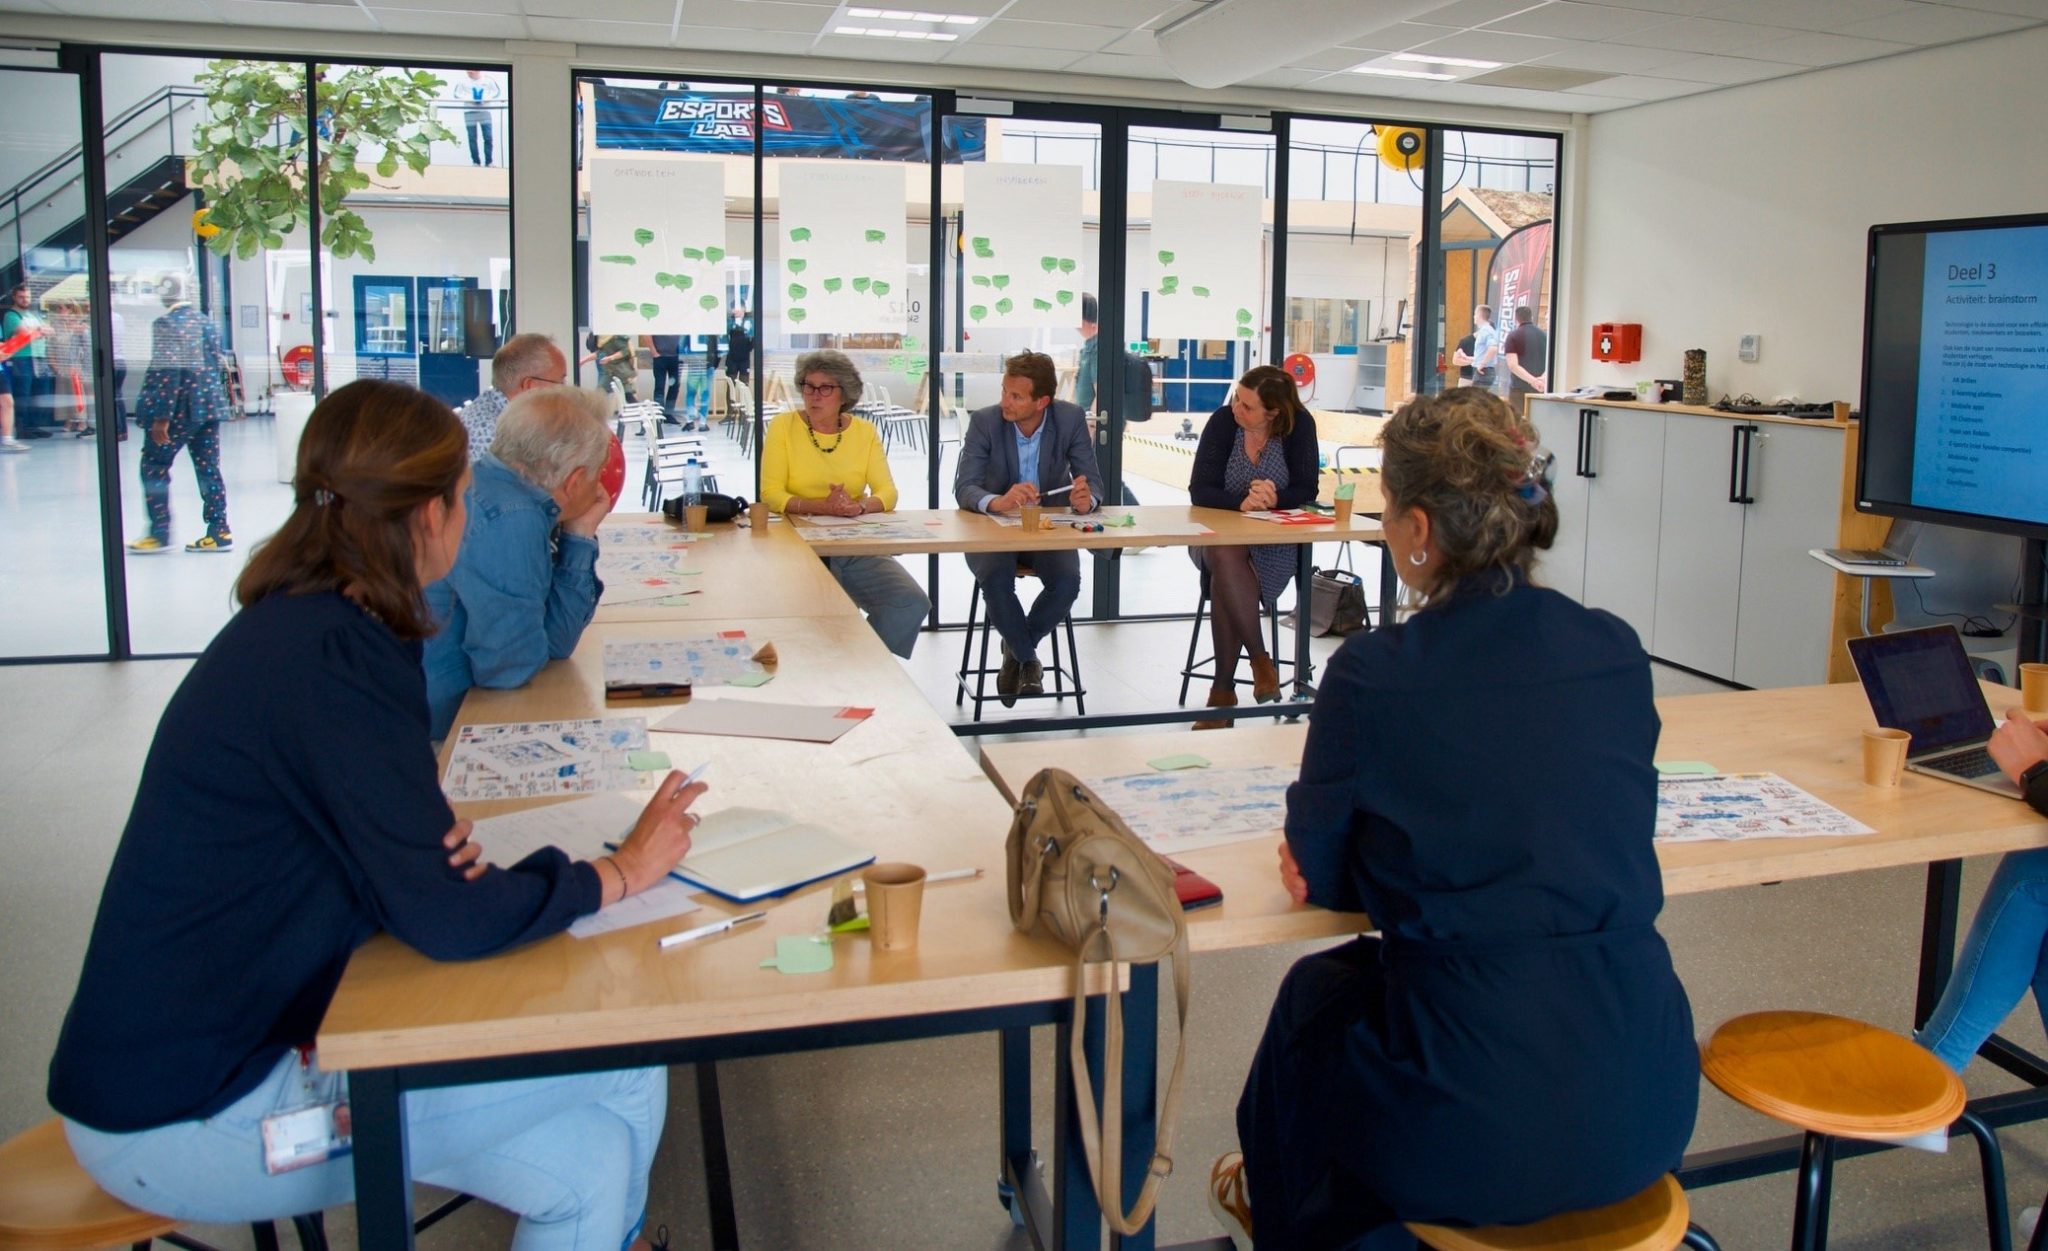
{"points": [[613, 475]]}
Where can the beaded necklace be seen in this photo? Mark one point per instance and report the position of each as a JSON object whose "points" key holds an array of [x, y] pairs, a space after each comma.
{"points": [[812, 432]]}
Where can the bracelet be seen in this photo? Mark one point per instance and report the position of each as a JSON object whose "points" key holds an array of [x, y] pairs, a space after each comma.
{"points": [[624, 889]]}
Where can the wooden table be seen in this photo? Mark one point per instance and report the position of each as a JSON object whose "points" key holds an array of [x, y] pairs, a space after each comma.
{"points": [[1808, 735], [744, 575], [900, 783]]}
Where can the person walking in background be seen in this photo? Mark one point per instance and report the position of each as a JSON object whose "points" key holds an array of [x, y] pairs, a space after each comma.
{"points": [[665, 351], [614, 356], [71, 367], [739, 351], [29, 368], [9, 445], [476, 92], [181, 405], [1527, 352]]}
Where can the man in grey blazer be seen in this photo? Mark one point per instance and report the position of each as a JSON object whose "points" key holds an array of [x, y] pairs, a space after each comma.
{"points": [[1016, 453]]}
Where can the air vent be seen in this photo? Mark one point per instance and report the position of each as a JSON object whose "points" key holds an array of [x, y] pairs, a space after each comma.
{"points": [[1539, 78]]}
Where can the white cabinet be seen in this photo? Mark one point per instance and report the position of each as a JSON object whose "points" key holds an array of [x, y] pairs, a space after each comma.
{"points": [[1693, 528]]}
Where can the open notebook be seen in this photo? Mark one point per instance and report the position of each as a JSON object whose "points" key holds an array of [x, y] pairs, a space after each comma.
{"points": [[744, 854]]}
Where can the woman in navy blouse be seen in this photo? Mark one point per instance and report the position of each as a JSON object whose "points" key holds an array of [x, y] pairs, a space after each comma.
{"points": [[1478, 780], [1257, 452], [288, 810]]}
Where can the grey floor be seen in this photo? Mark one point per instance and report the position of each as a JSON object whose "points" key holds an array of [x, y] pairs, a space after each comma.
{"points": [[896, 1146]]}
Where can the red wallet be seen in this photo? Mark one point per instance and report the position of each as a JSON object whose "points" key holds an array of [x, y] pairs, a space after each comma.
{"points": [[1193, 890]]}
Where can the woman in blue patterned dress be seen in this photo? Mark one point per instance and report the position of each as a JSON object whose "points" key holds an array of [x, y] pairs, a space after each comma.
{"points": [[181, 405], [1257, 452]]}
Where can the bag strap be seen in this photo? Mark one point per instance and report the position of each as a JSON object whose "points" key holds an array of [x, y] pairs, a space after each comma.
{"points": [[1103, 1141]]}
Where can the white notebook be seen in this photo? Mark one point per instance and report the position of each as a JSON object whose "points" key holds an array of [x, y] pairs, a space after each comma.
{"points": [[744, 854]]}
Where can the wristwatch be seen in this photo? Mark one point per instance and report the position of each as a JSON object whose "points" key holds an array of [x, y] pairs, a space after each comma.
{"points": [[2034, 786]]}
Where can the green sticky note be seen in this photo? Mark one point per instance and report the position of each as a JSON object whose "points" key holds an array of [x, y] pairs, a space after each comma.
{"points": [[796, 264], [643, 236], [1685, 766], [1125, 520], [647, 761], [1186, 760], [800, 953], [762, 678]]}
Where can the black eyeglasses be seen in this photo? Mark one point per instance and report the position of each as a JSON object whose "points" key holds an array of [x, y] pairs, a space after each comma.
{"points": [[820, 388]]}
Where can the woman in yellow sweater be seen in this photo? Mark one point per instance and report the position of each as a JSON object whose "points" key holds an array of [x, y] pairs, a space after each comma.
{"points": [[825, 460]]}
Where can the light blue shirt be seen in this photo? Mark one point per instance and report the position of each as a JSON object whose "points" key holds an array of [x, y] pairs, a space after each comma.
{"points": [[1485, 348], [1027, 453], [519, 595]]}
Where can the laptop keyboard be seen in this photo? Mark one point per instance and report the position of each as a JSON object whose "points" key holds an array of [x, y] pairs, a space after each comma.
{"points": [[1974, 762]]}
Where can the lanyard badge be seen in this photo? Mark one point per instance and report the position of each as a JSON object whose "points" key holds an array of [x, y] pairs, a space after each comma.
{"points": [[310, 1124]]}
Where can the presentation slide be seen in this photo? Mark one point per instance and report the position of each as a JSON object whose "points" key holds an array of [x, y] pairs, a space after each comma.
{"points": [[1981, 439]]}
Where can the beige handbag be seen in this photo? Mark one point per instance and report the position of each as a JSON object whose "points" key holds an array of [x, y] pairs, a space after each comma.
{"points": [[1077, 872]]}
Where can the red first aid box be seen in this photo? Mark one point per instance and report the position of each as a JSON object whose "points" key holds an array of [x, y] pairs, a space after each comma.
{"points": [[1619, 341]]}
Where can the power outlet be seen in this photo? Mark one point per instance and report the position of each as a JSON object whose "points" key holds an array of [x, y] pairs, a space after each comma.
{"points": [[1751, 347]]}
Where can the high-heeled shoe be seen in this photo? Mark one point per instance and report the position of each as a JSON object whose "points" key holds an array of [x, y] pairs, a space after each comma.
{"points": [[1219, 697], [1265, 680]]}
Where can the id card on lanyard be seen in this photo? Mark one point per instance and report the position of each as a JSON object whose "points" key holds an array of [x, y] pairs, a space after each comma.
{"points": [[310, 1124]]}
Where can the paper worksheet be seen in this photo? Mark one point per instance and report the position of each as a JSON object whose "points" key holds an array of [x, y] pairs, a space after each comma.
{"points": [[642, 573], [1291, 517], [640, 537], [585, 829], [842, 529], [744, 854], [532, 759], [697, 662], [746, 718], [1190, 809], [1695, 807]]}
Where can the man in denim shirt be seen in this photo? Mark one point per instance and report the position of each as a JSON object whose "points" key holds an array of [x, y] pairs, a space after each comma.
{"points": [[526, 581]]}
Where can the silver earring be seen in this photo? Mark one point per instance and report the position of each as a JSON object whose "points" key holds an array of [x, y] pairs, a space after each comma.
{"points": [[1417, 558]]}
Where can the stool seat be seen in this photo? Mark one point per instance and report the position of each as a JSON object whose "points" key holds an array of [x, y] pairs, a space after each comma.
{"points": [[1653, 1220], [48, 1201], [1832, 1075]]}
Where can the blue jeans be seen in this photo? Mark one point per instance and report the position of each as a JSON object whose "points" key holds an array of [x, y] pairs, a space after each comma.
{"points": [[570, 1155], [2000, 959], [1060, 574], [895, 604]]}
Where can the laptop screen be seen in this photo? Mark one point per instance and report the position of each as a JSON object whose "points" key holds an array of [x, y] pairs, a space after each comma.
{"points": [[1920, 681]]}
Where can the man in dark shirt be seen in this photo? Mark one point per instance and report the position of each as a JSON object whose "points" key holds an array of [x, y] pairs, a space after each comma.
{"points": [[739, 351], [1527, 352], [666, 353]]}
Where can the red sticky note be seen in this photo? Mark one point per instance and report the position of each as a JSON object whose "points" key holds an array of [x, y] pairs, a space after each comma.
{"points": [[732, 634], [855, 714], [654, 582]]}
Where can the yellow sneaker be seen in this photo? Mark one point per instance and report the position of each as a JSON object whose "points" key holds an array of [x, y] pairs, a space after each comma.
{"points": [[212, 543], [1229, 1200], [148, 545]]}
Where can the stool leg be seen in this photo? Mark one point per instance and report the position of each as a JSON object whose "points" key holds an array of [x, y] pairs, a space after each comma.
{"points": [[967, 646], [1698, 1239], [1187, 671], [265, 1235], [2039, 1242], [1996, 1218], [1059, 675], [981, 666], [1810, 1206], [1074, 658], [312, 1228]]}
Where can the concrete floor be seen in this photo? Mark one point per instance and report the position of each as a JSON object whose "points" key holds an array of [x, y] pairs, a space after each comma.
{"points": [[896, 1146]]}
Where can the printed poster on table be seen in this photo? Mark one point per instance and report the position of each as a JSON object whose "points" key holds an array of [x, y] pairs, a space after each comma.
{"points": [[1022, 253], [657, 245], [842, 245], [1205, 255]]}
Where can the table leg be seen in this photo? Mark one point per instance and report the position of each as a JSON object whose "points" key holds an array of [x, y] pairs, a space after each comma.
{"points": [[1304, 584], [1141, 1093], [1937, 935], [383, 1185], [725, 1225], [1015, 1166], [1390, 585], [1077, 1220]]}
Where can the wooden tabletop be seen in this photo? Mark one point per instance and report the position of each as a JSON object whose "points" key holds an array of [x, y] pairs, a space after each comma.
{"points": [[900, 783], [1154, 525], [1811, 736], [744, 575]]}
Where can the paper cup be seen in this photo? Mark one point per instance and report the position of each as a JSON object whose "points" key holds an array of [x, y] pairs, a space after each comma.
{"points": [[696, 517], [1031, 515], [1344, 503], [757, 517], [895, 902], [1884, 756], [2034, 687]]}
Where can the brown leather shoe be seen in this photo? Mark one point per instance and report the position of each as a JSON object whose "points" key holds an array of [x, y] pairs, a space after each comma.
{"points": [[1265, 680], [1219, 697]]}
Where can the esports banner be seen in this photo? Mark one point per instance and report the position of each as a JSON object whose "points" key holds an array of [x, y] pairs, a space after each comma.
{"points": [[652, 119], [1521, 266]]}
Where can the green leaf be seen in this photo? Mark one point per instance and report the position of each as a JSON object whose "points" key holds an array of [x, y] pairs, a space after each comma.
{"points": [[1048, 263], [1165, 258], [833, 284], [977, 311], [650, 311], [643, 236], [388, 167], [708, 302], [797, 264], [618, 258], [797, 314], [800, 234], [714, 255], [798, 291]]}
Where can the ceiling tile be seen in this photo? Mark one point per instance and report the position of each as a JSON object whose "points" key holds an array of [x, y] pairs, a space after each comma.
{"points": [[1814, 48], [1287, 78], [1565, 19], [1334, 59], [1124, 67], [992, 57], [1933, 24], [1675, 8], [1489, 45], [1172, 13], [1012, 34], [758, 15], [1808, 14], [660, 13], [1699, 34], [1475, 12], [297, 16], [27, 6], [157, 10], [858, 48], [592, 31], [732, 39], [1125, 14], [1637, 87], [1724, 70], [1399, 37], [2022, 8], [443, 22], [1137, 43], [1614, 58]]}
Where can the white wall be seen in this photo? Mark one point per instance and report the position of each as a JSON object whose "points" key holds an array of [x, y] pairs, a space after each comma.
{"points": [[1745, 212]]}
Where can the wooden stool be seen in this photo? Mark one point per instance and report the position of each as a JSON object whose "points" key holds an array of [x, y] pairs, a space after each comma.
{"points": [[47, 1200], [1655, 1220], [1206, 667], [1062, 672], [1837, 1078]]}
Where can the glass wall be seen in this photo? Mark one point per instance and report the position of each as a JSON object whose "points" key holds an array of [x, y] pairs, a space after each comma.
{"points": [[51, 574], [1492, 303]]}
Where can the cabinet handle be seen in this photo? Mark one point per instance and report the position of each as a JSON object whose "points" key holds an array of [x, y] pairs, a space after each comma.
{"points": [[1583, 466], [1593, 420], [1739, 465], [1734, 465]]}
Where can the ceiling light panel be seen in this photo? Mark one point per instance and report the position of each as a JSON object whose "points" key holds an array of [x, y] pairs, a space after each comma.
{"points": [[1423, 58], [1388, 71]]}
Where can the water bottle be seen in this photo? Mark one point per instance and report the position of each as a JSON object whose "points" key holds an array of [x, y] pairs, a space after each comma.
{"points": [[693, 483]]}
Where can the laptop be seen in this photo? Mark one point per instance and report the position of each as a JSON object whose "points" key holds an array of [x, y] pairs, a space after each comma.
{"points": [[1896, 552], [1920, 681]]}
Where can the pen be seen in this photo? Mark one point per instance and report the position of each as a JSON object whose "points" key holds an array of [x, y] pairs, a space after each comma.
{"points": [[705, 931], [695, 773], [945, 875], [1049, 494]]}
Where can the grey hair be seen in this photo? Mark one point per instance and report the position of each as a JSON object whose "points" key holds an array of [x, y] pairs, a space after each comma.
{"points": [[549, 433], [838, 368], [523, 356]]}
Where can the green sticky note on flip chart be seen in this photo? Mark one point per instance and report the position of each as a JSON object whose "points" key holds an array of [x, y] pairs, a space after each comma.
{"points": [[647, 761], [1685, 766], [800, 953], [1185, 760]]}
